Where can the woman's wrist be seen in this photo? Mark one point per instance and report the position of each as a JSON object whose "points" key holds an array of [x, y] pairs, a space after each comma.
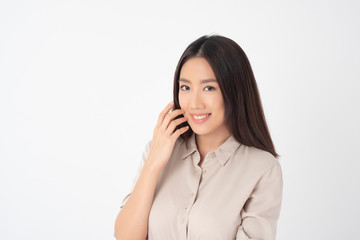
{"points": [[151, 167]]}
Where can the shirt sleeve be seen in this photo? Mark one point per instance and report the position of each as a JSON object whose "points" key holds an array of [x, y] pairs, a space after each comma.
{"points": [[262, 209], [145, 155]]}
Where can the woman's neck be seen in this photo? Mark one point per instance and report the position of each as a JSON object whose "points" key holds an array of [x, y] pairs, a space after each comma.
{"points": [[206, 144]]}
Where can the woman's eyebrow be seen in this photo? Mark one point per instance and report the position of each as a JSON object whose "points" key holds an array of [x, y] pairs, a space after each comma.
{"points": [[202, 81]]}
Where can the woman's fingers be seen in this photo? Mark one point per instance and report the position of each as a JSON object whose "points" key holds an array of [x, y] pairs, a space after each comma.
{"points": [[167, 122], [164, 112], [169, 117], [178, 132], [175, 123]]}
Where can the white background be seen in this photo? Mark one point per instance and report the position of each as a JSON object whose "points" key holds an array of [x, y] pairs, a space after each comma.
{"points": [[82, 84]]}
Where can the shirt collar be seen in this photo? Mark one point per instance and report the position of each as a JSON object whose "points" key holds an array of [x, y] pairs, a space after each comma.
{"points": [[222, 153]]}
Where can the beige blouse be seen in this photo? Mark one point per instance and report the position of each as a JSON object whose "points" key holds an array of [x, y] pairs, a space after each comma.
{"points": [[235, 194]]}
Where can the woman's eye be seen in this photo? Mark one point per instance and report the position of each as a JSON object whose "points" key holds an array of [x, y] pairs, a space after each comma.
{"points": [[183, 87], [211, 88]]}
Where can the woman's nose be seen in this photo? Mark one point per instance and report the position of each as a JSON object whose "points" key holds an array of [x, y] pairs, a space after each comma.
{"points": [[196, 101]]}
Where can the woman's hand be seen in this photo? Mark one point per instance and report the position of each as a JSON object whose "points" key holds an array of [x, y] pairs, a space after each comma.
{"points": [[164, 137]]}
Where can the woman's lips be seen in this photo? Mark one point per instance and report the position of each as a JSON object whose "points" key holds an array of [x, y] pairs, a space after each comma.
{"points": [[200, 118]]}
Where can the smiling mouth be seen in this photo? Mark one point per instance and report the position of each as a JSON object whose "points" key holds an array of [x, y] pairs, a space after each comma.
{"points": [[199, 117]]}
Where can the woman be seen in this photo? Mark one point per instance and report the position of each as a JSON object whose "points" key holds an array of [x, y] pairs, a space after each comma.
{"points": [[211, 170]]}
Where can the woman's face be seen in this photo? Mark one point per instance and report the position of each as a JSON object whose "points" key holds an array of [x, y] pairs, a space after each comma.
{"points": [[201, 98]]}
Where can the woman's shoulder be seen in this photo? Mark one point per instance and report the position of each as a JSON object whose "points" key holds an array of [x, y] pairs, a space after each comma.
{"points": [[258, 159]]}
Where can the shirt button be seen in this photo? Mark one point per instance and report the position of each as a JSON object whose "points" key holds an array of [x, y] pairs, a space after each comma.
{"points": [[192, 194]]}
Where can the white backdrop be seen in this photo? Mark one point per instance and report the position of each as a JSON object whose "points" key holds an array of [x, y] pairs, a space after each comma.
{"points": [[82, 84]]}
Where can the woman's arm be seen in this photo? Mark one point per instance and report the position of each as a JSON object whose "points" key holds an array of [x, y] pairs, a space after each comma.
{"points": [[132, 221]]}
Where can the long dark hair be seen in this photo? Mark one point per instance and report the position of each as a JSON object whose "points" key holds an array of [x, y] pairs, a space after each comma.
{"points": [[244, 113]]}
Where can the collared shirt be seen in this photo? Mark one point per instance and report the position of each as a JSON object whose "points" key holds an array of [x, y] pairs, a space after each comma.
{"points": [[235, 194]]}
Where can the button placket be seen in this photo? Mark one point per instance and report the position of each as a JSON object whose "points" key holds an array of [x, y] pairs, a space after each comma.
{"points": [[184, 216], [194, 193], [197, 179], [198, 172]]}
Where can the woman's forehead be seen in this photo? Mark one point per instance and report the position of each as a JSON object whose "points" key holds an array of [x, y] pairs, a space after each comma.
{"points": [[197, 70]]}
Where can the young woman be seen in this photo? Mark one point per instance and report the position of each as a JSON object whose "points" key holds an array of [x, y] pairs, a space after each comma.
{"points": [[211, 170]]}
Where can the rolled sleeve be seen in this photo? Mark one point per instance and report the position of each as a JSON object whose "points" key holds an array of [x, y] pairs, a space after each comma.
{"points": [[262, 209], [145, 155]]}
